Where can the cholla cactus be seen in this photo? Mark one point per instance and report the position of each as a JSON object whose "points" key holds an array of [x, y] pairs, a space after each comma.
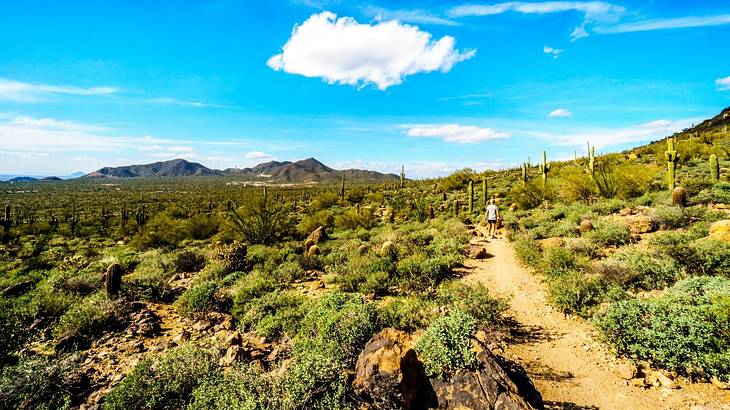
{"points": [[672, 160], [714, 168], [544, 169]]}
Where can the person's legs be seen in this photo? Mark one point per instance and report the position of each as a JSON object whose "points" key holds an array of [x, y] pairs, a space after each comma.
{"points": [[492, 228]]}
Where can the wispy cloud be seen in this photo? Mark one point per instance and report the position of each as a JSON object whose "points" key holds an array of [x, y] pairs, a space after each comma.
{"points": [[17, 91], [606, 137], [554, 52], [462, 134], [184, 103], [467, 97], [665, 24], [343, 51], [560, 112], [261, 156], [723, 84], [594, 10], [418, 16]]}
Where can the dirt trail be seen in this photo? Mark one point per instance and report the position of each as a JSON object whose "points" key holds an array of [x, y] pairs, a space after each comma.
{"points": [[568, 366]]}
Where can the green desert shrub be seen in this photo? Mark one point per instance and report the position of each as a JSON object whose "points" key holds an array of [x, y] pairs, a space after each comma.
{"points": [[670, 217], [408, 313], [271, 315], [420, 271], [559, 260], [240, 388], [161, 231], [687, 330], [721, 193], [188, 261], [163, 382], [648, 270], [198, 300], [262, 221], [446, 346], [315, 380], [203, 226], [87, 319], [44, 383], [475, 300], [309, 223], [607, 233], [528, 251], [325, 200], [576, 293], [353, 219], [150, 281]]}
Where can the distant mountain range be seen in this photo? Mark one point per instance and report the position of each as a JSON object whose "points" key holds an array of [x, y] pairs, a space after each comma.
{"points": [[304, 171], [30, 178]]}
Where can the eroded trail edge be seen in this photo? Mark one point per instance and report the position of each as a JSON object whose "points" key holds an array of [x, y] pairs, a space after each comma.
{"points": [[568, 365]]}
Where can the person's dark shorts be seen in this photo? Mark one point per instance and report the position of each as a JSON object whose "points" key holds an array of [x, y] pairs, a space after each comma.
{"points": [[492, 221]]}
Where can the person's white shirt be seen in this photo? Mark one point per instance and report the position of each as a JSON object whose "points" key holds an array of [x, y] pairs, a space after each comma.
{"points": [[492, 212]]}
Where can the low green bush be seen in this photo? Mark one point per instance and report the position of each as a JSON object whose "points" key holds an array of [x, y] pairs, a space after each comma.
{"points": [[408, 313], [649, 270], [87, 319], [188, 261], [163, 382], [271, 315], [44, 383], [240, 388], [670, 217], [607, 233], [528, 251], [687, 330], [446, 346], [475, 300], [576, 293], [198, 300]]}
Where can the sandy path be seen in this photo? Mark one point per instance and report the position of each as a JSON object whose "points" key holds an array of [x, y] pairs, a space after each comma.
{"points": [[568, 366]]}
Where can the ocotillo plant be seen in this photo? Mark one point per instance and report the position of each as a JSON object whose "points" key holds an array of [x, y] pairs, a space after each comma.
{"points": [[402, 175], [672, 159], [544, 170], [525, 174], [471, 197], [6, 222], [714, 168]]}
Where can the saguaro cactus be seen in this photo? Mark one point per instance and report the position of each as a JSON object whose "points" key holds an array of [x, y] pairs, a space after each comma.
{"points": [[471, 196], [6, 222], [342, 190], [457, 205], [113, 280], [430, 211], [402, 176], [524, 173], [672, 159], [714, 168], [544, 170], [485, 192], [591, 159]]}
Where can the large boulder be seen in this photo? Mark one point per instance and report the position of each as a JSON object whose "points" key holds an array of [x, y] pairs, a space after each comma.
{"points": [[721, 230], [641, 224], [389, 375]]}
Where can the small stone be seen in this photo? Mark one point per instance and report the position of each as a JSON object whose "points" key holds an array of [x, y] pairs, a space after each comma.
{"points": [[138, 347], [480, 254], [233, 340], [234, 354], [719, 384], [626, 371], [316, 285], [202, 325], [666, 381], [183, 336]]}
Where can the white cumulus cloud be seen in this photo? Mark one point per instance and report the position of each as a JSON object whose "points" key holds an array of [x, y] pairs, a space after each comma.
{"points": [[462, 134], [343, 51], [723, 84], [258, 155], [560, 112]]}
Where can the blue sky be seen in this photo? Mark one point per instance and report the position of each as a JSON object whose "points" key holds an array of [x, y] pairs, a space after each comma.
{"points": [[433, 85]]}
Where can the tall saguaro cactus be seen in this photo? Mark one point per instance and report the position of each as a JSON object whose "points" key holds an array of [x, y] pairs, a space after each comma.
{"points": [[471, 197], [714, 168], [591, 159], [485, 192], [402, 175], [524, 173], [6, 222], [342, 190], [544, 170], [672, 159]]}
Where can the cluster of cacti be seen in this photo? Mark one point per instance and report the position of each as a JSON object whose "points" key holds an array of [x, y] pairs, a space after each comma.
{"points": [[6, 223], [672, 160], [113, 280], [544, 170], [471, 196], [141, 216], [714, 168]]}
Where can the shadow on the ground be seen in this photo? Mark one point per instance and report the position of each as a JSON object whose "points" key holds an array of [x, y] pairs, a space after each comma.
{"points": [[519, 376], [545, 372], [522, 334], [564, 405]]}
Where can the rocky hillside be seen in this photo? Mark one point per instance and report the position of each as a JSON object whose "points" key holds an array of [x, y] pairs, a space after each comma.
{"points": [[171, 169], [307, 170]]}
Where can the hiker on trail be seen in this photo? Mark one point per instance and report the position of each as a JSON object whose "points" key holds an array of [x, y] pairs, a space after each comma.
{"points": [[492, 215]]}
